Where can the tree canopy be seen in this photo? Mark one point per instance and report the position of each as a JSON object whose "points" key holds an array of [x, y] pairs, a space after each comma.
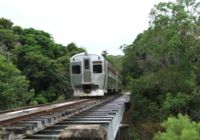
{"points": [[42, 63], [179, 128], [162, 65], [14, 87]]}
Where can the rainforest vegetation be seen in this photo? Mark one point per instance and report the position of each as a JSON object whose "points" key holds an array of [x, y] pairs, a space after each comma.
{"points": [[33, 68], [161, 68]]}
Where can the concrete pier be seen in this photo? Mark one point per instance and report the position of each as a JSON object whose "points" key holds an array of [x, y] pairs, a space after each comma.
{"points": [[86, 132]]}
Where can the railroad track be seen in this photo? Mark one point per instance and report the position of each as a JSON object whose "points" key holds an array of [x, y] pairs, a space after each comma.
{"points": [[33, 106], [31, 123], [12, 116]]}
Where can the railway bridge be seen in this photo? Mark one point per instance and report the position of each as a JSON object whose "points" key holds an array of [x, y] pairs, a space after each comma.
{"points": [[96, 119]]}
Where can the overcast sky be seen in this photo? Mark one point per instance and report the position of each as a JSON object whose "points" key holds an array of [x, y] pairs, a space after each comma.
{"points": [[93, 24]]}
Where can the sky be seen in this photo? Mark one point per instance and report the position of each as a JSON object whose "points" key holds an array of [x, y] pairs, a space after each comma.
{"points": [[95, 25]]}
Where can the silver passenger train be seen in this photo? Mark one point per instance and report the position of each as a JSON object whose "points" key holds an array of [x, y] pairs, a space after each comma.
{"points": [[91, 75]]}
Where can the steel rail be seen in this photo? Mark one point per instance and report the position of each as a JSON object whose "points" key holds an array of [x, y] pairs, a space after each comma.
{"points": [[33, 106]]}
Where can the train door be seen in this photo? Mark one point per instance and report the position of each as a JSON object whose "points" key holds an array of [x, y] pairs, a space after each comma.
{"points": [[87, 73]]}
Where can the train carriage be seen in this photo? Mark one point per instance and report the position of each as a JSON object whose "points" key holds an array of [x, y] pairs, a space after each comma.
{"points": [[92, 75]]}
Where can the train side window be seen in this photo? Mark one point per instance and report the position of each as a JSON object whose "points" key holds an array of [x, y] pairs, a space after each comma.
{"points": [[76, 69], [87, 64], [97, 68]]}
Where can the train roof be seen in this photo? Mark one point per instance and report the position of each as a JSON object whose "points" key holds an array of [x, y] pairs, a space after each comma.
{"points": [[87, 54]]}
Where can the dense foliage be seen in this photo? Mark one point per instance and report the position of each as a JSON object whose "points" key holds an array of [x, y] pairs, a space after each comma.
{"points": [[180, 128], [162, 66], [14, 87], [115, 60], [32, 60]]}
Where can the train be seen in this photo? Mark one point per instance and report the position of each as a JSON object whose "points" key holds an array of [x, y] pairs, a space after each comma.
{"points": [[92, 75]]}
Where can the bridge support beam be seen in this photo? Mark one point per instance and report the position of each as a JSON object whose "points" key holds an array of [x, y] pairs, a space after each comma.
{"points": [[123, 133]]}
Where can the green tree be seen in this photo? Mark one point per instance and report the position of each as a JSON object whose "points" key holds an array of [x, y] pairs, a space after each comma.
{"points": [[45, 63], [116, 61], [162, 66], [7, 37], [104, 53], [5, 23], [14, 87], [72, 49], [180, 128]]}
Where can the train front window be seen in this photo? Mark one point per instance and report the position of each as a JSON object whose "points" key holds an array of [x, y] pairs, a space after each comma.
{"points": [[97, 68], [87, 63], [76, 69]]}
